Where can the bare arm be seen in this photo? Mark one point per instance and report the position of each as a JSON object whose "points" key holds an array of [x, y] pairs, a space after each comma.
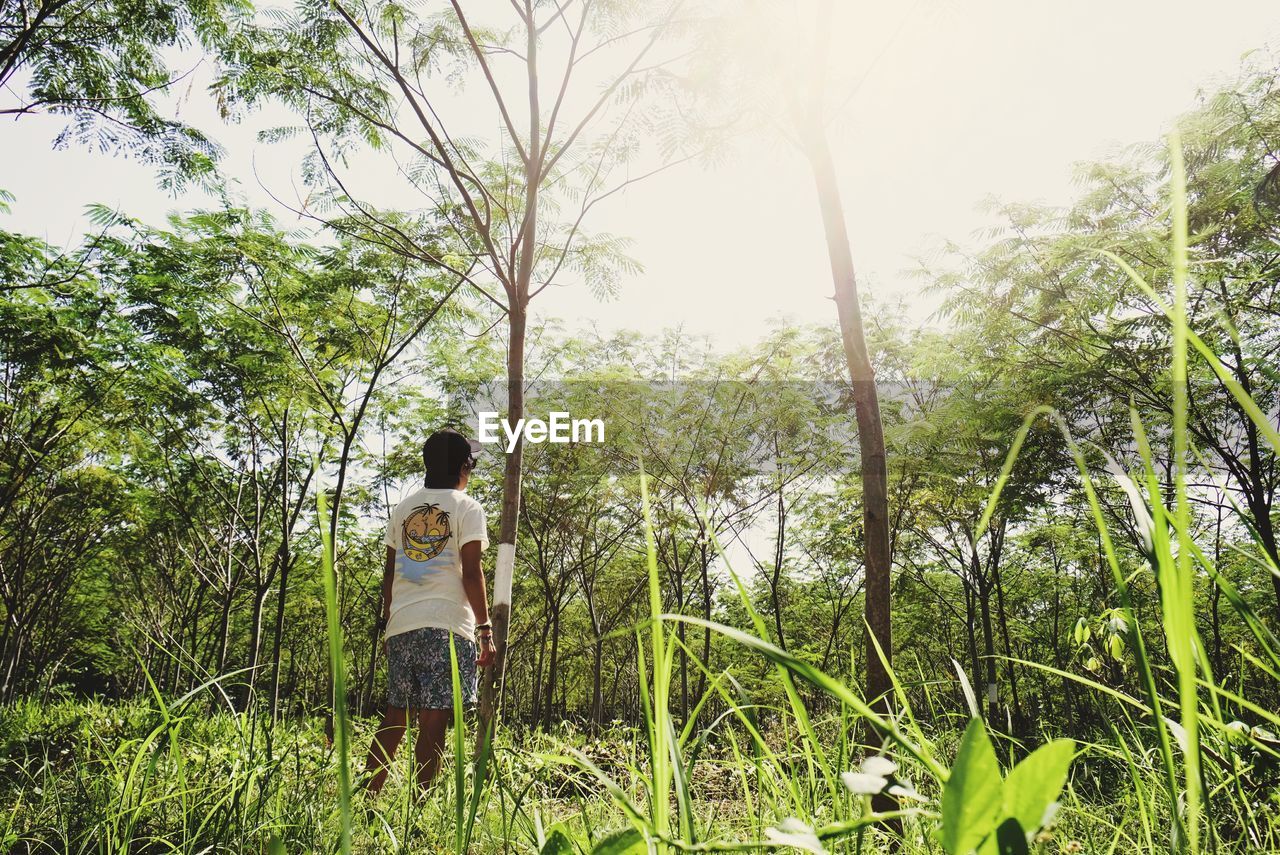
{"points": [[473, 581], [388, 576], [473, 584]]}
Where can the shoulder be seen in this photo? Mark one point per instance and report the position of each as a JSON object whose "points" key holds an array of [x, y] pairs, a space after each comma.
{"points": [[408, 503], [466, 502]]}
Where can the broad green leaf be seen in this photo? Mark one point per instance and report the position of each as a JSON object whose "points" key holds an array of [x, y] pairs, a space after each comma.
{"points": [[1036, 782], [972, 796], [558, 844], [1082, 632], [1008, 839], [625, 842]]}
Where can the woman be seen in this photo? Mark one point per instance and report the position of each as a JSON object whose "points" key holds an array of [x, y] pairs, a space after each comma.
{"points": [[433, 595]]}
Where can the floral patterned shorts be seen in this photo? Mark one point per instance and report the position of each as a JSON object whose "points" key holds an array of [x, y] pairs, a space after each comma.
{"points": [[419, 674]]}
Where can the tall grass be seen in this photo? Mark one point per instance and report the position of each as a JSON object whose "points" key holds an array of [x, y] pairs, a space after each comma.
{"points": [[971, 813], [338, 675], [1173, 570], [1177, 596]]}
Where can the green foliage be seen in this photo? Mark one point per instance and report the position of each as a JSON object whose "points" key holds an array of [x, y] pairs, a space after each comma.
{"points": [[102, 65], [625, 842], [1083, 476], [1033, 786], [338, 672], [557, 844], [972, 798]]}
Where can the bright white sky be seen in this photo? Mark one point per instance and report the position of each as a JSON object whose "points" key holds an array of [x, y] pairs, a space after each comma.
{"points": [[973, 99]]}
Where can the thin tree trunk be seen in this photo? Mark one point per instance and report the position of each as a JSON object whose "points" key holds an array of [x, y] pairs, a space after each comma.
{"points": [[1216, 594], [500, 614], [989, 648], [4, 653], [597, 653], [224, 628], [282, 557], [677, 579], [706, 614], [597, 679], [983, 585], [255, 642], [517, 309], [875, 479], [11, 666], [779, 551], [1038, 704], [1267, 536], [190, 628], [1008, 645], [970, 625], [548, 708], [277, 643], [535, 693]]}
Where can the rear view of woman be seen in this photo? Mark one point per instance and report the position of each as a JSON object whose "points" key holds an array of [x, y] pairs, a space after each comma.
{"points": [[433, 594]]}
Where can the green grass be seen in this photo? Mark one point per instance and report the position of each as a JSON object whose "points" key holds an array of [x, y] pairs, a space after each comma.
{"points": [[83, 785], [1173, 774]]}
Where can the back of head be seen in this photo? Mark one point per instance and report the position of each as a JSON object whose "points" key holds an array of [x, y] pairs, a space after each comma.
{"points": [[444, 455]]}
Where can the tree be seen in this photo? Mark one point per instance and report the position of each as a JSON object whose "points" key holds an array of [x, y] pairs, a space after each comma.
{"points": [[314, 341], [65, 357], [783, 49], [101, 63], [1046, 284], [367, 73]]}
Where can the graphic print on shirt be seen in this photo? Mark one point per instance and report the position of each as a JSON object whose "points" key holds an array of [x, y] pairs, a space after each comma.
{"points": [[426, 532]]}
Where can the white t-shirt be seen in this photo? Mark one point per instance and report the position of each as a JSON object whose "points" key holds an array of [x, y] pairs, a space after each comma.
{"points": [[428, 530]]}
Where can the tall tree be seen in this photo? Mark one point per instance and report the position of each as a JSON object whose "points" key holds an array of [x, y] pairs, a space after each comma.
{"points": [[378, 72], [67, 358], [1042, 285], [783, 48]]}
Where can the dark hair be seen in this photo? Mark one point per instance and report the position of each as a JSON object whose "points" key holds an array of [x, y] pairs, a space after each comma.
{"points": [[444, 454]]}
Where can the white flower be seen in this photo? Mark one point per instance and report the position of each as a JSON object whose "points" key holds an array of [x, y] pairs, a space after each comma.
{"points": [[879, 765], [793, 832], [863, 784], [904, 790], [1050, 811]]}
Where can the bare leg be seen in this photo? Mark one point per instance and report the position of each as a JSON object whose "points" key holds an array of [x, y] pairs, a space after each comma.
{"points": [[429, 747], [383, 750]]}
